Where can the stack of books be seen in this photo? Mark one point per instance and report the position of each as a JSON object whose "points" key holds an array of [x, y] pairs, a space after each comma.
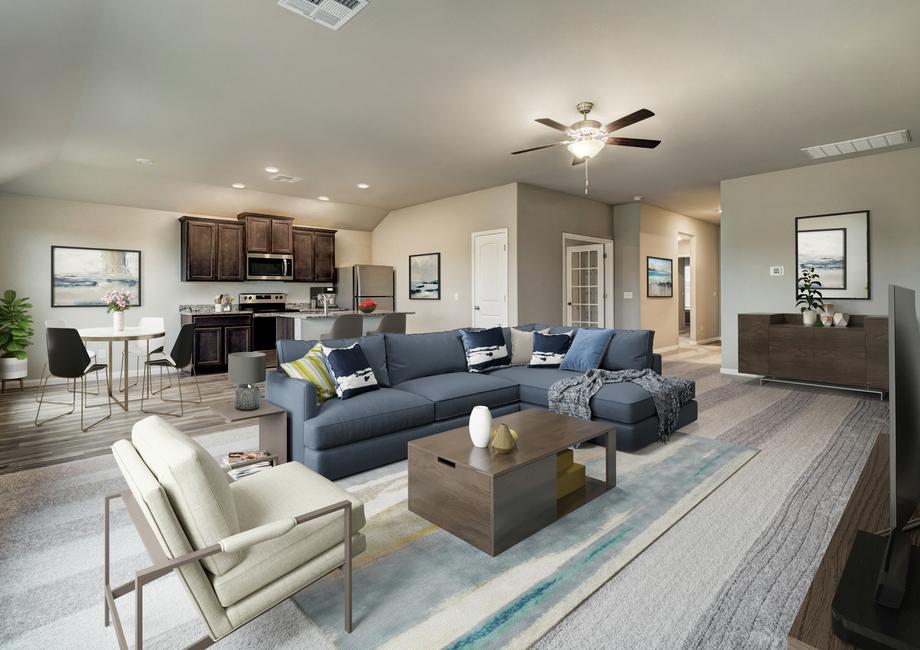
{"points": [[570, 476], [235, 457]]}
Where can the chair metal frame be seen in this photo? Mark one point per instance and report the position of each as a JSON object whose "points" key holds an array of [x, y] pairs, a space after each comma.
{"points": [[73, 403], [163, 565], [183, 347]]}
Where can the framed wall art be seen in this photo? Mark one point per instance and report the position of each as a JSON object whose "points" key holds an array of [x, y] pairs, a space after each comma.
{"points": [[660, 277], [425, 276], [836, 246], [81, 276]]}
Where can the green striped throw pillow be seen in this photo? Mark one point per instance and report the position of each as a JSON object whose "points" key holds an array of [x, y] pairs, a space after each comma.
{"points": [[312, 368]]}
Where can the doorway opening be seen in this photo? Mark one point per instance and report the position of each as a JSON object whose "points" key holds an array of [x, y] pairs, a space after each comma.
{"points": [[684, 284], [587, 299]]}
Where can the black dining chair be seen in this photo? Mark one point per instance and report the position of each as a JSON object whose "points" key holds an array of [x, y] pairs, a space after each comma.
{"points": [[391, 324], [68, 359], [179, 358]]}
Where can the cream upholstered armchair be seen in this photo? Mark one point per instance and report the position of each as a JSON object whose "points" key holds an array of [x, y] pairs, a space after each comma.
{"points": [[239, 548]]}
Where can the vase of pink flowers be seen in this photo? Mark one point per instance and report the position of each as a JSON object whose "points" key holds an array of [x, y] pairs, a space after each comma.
{"points": [[117, 301]]}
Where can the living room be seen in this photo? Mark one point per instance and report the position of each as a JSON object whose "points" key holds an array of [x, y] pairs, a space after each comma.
{"points": [[519, 390]]}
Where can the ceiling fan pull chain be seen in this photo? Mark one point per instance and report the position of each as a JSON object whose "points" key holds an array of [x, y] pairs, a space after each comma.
{"points": [[587, 162]]}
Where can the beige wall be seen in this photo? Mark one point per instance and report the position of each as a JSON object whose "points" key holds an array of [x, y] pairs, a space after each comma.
{"points": [[758, 231], [445, 226], [627, 269], [658, 233], [542, 216], [31, 225]]}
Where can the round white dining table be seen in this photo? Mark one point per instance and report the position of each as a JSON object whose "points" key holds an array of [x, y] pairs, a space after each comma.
{"points": [[111, 335]]}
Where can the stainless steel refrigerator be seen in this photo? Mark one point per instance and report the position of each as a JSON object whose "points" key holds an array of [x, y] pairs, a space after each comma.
{"points": [[362, 281]]}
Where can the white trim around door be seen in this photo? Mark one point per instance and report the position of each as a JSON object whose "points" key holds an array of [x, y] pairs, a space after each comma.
{"points": [[489, 278], [608, 276]]}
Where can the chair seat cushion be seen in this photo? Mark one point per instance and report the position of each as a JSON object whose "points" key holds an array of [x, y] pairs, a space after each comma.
{"points": [[368, 415], [625, 402], [283, 492], [456, 393]]}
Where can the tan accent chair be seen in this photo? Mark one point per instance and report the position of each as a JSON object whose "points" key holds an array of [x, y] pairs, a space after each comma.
{"points": [[240, 547]]}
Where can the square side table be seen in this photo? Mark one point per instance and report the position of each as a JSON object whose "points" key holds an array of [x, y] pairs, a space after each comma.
{"points": [[272, 425]]}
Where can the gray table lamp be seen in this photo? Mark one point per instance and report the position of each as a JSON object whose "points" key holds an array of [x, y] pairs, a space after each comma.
{"points": [[246, 369]]}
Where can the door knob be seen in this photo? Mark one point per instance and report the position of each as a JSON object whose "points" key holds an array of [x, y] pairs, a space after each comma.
{"points": [[476, 307]]}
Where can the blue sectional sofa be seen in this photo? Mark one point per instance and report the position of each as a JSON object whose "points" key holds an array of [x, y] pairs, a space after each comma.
{"points": [[425, 388]]}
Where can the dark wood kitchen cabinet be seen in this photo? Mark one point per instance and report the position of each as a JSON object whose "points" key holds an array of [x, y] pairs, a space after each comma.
{"points": [[314, 255], [213, 250], [268, 233], [216, 336]]}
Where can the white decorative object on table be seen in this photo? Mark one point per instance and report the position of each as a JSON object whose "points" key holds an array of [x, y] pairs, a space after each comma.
{"points": [[841, 319], [118, 321], [118, 301], [827, 320], [480, 426], [809, 317], [829, 309]]}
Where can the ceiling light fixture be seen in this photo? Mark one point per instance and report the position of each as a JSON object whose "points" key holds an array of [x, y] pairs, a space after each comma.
{"points": [[323, 198], [272, 169], [637, 197], [143, 161], [238, 186], [363, 186], [586, 147]]}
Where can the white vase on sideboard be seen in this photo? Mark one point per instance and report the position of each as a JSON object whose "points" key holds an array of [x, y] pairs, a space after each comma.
{"points": [[118, 321], [480, 426], [809, 317]]}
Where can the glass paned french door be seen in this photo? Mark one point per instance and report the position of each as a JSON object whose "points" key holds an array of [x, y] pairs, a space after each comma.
{"points": [[585, 292]]}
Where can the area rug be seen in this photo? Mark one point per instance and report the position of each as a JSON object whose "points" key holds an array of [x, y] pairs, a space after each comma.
{"points": [[418, 586]]}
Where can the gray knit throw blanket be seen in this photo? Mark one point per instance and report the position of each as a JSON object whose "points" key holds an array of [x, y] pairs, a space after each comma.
{"points": [[572, 396]]}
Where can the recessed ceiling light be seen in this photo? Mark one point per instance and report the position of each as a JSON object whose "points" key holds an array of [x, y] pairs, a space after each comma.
{"points": [[323, 198], [637, 197], [238, 186], [143, 161], [718, 210], [271, 169], [363, 186]]}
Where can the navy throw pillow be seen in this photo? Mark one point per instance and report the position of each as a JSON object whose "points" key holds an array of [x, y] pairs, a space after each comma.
{"points": [[587, 350], [549, 349], [350, 370], [485, 349]]}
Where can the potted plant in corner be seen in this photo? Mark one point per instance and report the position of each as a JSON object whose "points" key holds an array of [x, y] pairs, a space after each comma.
{"points": [[15, 337], [809, 297]]}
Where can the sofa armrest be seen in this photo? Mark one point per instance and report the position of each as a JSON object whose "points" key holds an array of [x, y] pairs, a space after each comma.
{"points": [[656, 363], [298, 398]]}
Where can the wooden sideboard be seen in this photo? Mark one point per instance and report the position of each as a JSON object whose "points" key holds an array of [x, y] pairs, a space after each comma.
{"points": [[779, 346]]}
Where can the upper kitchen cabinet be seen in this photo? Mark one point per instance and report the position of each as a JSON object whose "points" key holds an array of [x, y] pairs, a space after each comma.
{"points": [[314, 255], [212, 250], [266, 233]]}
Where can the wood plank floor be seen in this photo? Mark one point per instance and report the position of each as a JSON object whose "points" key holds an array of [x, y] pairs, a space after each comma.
{"points": [[24, 446]]}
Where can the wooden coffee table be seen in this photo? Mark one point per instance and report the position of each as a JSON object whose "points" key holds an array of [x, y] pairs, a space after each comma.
{"points": [[491, 500]]}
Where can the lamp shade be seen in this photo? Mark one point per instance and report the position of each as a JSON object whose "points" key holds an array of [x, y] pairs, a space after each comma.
{"points": [[246, 367], [587, 148]]}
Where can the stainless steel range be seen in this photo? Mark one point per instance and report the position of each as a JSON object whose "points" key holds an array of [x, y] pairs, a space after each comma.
{"points": [[264, 325]]}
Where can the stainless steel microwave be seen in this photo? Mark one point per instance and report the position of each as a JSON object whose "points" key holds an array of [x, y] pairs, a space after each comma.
{"points": [[269, 266]]}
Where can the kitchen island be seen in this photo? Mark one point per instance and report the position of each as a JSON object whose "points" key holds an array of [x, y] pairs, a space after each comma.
{"points": [[310, 325]]}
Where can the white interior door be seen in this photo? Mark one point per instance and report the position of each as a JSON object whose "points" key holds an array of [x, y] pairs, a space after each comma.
{"points": [[490, 278], [585, 286]]}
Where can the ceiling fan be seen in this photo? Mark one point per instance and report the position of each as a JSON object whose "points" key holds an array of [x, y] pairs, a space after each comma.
{"points": [[587, 137]]}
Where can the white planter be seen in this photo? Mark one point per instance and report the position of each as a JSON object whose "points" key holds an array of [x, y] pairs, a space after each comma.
{"points": [[809, 317], [480, 426], [118, 321], [13, 368], [841, 319]]}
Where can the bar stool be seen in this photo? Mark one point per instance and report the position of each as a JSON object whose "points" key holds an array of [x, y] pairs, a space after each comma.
{"points": [[179, 358], [345, 326], [69, 359], [391, 324]]}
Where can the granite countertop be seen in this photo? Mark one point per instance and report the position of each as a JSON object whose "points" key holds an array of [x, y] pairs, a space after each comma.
{"points": [[333, 314], [304, 311]]}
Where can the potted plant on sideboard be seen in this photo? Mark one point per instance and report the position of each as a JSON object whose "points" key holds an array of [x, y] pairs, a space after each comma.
{"points": [[15, 337], [809, 297]]}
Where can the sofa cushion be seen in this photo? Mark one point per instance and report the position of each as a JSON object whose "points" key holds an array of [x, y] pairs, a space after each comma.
{"points": [[312, 368], [351, 371], [421, 355], [196, 486], [549, 349], [374, 348], [485, 349], [456, 393], [521, 346], [625, 402], [379, 412], [629, 349], [284, 492], [587, 349]]}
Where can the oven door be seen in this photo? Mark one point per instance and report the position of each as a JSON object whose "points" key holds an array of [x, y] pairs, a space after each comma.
{"points": [[269, 266]]}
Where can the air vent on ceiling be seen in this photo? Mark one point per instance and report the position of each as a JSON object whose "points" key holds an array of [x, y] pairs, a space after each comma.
{"points": [[329, 13], [284, 178], [881, 141]]}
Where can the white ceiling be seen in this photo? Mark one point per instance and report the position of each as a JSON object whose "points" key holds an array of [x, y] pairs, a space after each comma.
{"points": [[425, 99]]}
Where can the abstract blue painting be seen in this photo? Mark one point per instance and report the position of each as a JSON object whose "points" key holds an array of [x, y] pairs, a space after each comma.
{"points": [[81, 276]]}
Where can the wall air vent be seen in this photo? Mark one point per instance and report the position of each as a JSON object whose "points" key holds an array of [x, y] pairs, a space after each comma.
{"points": [[857, 145], [328, 13], [284, 178]]}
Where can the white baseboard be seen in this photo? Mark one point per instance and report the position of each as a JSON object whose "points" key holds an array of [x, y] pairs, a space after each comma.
{"points": [[712, 339], [734, 371], [90, 379], [670, 348]]}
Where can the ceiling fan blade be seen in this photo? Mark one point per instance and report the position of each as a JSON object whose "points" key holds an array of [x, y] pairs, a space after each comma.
{"points": [[577, 161], [545, 146], [553, 124], [634, 142], [632, 118]]}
